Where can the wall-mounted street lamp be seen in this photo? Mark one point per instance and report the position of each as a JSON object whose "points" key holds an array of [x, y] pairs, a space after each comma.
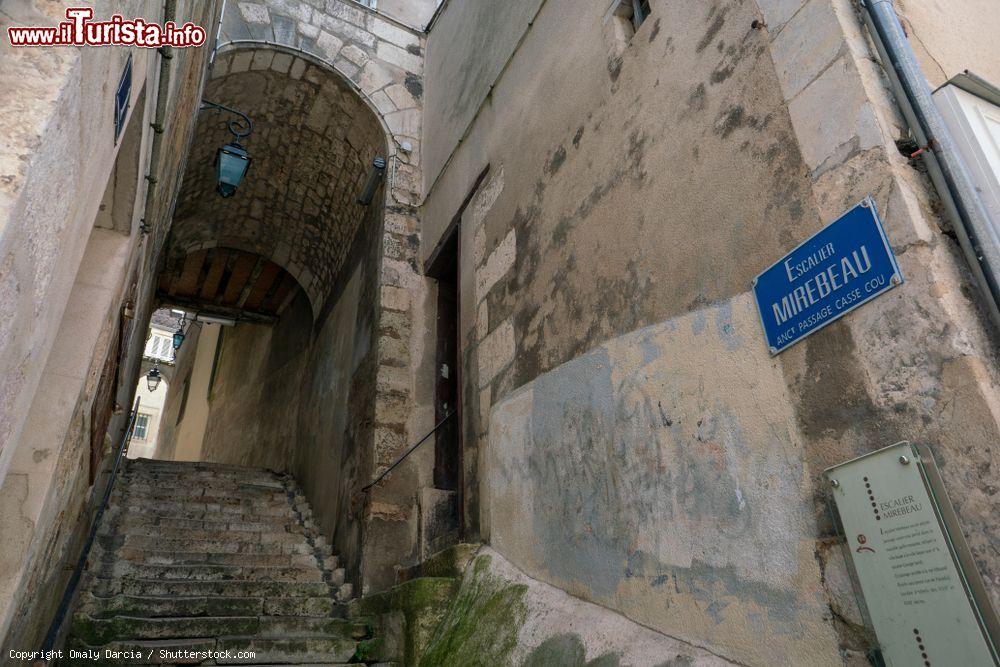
{"points": [[179, 334], [374, 177], [232, 160], [153, 377]]}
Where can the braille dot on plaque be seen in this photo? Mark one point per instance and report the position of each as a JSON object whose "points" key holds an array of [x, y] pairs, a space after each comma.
{"points": [[915, 631], [878, 518], [866, 479]]}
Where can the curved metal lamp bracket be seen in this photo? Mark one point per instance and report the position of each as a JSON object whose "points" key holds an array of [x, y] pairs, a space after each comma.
{"points": [[240, 127]]}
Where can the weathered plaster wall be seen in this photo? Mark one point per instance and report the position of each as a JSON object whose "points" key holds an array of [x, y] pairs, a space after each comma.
{"points": [[620, 405], [62, 306], [950, 37], [469, 48], [650, 488], [57, 138]]}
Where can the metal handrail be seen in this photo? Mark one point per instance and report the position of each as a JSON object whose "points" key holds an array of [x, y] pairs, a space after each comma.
{"points": [[364, 489], [74, 581]]}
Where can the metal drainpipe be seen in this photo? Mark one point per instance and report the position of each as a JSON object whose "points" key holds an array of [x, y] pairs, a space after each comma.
{"points": [[162, 92], [978, 238]]}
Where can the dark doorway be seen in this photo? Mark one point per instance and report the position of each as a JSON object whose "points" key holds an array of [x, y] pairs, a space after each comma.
{"points": [[447, 399]]}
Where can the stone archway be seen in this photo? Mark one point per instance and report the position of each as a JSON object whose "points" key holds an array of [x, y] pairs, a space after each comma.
{"points": [[316, 379]]}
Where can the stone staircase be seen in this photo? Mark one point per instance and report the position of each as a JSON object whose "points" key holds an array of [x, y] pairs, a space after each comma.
{"points": [[210, 558]]}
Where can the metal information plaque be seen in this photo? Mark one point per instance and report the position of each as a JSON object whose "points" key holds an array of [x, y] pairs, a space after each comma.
{"points": [[922, 592]]}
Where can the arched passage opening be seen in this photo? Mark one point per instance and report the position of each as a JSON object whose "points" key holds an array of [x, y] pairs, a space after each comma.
{"points": [[281, 282]]}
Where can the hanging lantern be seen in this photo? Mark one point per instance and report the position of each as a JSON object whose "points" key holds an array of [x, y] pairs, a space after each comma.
{"points": [[153, 378], [231, 164], [178, 338]]}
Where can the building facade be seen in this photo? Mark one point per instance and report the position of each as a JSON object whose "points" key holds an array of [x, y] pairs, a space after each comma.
{"points": [[533, 327]]}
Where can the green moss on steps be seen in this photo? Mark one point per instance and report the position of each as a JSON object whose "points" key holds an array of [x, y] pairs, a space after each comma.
{"points": [[482, 626], [450, 562], [405, 617]]}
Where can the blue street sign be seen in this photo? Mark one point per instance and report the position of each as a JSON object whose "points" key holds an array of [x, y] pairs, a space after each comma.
{"points": [[845, 264]]}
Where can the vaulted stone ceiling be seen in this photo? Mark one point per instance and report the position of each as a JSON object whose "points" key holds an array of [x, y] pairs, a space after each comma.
{"points": [[312, 147]]}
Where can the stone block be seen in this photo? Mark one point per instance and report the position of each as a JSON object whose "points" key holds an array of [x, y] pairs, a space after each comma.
{"points": [[406, 123], [390, 33], [485, 403], [402, 58], [497, 265], [484, 200], [374, 77], [355, 54], [308, 30], [495, 352], [348, 31], [298, 67], [383, 103], [282, 62], [833, 119], [395, 298], [294, 9], [778, 12], [346, 12], [482, 321], [254, 13], [284, 30], [393, 352], [400, 96], [806, 46], [328, 45], [262, 60], [241, 62]]}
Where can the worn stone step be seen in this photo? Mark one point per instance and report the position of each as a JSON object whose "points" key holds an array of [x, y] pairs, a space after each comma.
{"points": [[207, 558], [157, 606], [202, 533], [100, 631], [165, 606], [250, 589], [229, 507], [133, 521], [132, 495], [143, 481], [270, 545], [175, 479], [139, 489], [125, 569], [143, 463], [153, 513]]}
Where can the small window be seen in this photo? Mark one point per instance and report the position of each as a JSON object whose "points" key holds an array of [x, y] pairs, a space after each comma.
{"points": [[141, 427], [625, 17], [640, 10]]}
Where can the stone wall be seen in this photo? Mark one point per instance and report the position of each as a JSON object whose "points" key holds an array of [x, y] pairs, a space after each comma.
{"points": [[72, 280], [628, 437]]}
